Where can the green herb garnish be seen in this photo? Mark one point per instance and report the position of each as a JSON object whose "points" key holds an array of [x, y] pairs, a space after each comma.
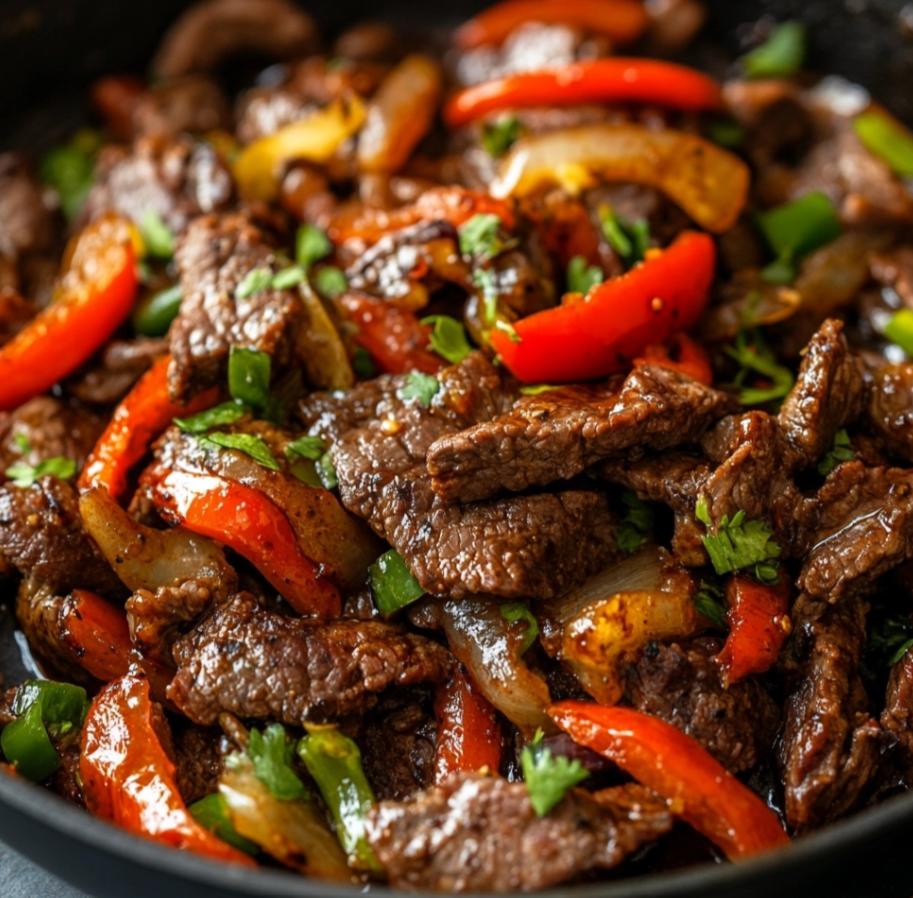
{"points": [[630, 240], [753, 356], [271, 754], [310, 448], [841, 451], [582, 278], [218, 416], [247, 443], [24, 475], [331, 281], [739, 544], [709, 603], [498, 137], [780, 56], [249, 377], [513, 612], [158, 238], [255, 281], [311, 245], [548, 778], [423, 387], [637, 525], [288, 277], [393, 585], [888, 139], [448, 338]]}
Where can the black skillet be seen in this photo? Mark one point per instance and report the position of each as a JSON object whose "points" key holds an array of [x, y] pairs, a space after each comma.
{"points": [[49, 50]]}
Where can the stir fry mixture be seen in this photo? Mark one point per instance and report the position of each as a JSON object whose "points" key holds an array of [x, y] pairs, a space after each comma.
{"points": [[474, 461]]}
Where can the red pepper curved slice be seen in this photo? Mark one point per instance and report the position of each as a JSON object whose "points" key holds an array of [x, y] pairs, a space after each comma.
{"points": [[248, 522], [759, 627], [142, 415], [683, 354], [99, 636], [469, 734], [610, 80], [394, 338], [129, 780], [617, 320], [621, 20], [93, 297], [699, 789]]}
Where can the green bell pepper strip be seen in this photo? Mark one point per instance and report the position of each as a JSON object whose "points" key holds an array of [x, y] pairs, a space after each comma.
{"points": [[212, 812], [393, 585], [27, 746]]}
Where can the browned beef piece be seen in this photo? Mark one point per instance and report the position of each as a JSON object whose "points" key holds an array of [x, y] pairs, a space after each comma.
{"points": [[397, 739], [681, 684], [889, 409], [539, 545], [194, 104], [558, 434], [213, 258], [897, 716], [122, 364], [827, 396], [894, 270], [481, 834], [260, 664], [27, 221], [15, 310], [330, 415], [860, 526], [41, 533], [176, 179], [198, 761], [831, 747], [52, 429]]}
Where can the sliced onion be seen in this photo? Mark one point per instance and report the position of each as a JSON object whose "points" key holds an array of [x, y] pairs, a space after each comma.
{"points": [[709, 183], [292, 832], [320, 347], [486, 643]]}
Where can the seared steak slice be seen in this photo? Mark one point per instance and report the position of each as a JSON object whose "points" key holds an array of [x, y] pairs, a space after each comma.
{"points": [[889, 409], [213, 258], [897, 716], [481, 834], [259, 664], [558, 434], [27, 222], [681, 685], [831, 748]]}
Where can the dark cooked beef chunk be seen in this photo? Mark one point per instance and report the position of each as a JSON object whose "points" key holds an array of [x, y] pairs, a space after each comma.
{"points": [[860, 526], [831, 747], [889, 409], [259, 664], [397, 739], [121, 365], [197, 759], [330, 415], [175, 179], [681, 684], [558, 434], [193, 104], [481, 834], [897, 716], [827, 396], [539, 545], [41, 533], [213, 258], [27, 222]]}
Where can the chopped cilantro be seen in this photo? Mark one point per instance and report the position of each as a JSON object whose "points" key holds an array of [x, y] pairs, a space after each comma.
{"points": [[393, 585], [780, 56], [448, 338], [249, 376], [498, 137], [480, 237], [755, 357], [630, 240], [899, 330], [548, 778], [326, 471], [311, 245], [22, 443], [423, 387], [158, 238], [288, 277], [890, 639], [255, 281], [739, 544], [271, 754], [24, 475], [709, 603], [484, 279], [310, 448], [513, 612], [247, 443], [637, 525], [70, 172], [538, 389], [330, 281], [841, 451], [219, 416], [580, 278], [796, 229], [727, 133]]}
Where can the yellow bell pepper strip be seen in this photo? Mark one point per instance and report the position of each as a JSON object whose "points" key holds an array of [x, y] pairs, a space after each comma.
{"points": [[613, 80], [618, 319], [129, 780], [699, 789], [709, 183], [93, 297], [622, 21], [315, 138], [248, 522]]}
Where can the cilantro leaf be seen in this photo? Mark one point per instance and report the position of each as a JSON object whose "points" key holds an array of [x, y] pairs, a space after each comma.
{"points": [[423, 387], [311, 245], [24, 475], [22, 443], [255, 281], [637, 525], [890, 639], [448, 338], [548, 778], [630, 240], [330, 281], [842, 451], [271, 754], [754, 356], [288, 277], [247, 443], [518, 611], [249, 377], [780, 56], [484, 279], [480, 237], [310, 448], [739, 544], [580, 278], [218, 416], [709, 603], [157, 236], [326, 471], [498, 137]]}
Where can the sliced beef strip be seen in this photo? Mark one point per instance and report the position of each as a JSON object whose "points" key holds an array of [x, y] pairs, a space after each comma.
{"points": [[827, 396], [42, 534], [897, 716], [681, 684], [192, 103], [27, 220], [120, 366], [213, 257], [330, 415], [260, 664], [889, 409], [177, 179], [198, 761], [831, 747], [480, 834], [538, 545], [558, 434]]}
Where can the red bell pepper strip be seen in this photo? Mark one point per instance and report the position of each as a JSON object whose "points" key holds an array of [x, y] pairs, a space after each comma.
{"points": [[142, 415], [621, 20], [683, 354], [93, 297], [617, 320], [130, 780], [698, 788], [610, 80], [394, 338], [99, 637], [468, 734], [759, 626], [248, 522]]}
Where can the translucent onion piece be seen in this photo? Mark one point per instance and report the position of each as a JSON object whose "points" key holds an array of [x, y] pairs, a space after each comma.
{"points": [[320, 347]]}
